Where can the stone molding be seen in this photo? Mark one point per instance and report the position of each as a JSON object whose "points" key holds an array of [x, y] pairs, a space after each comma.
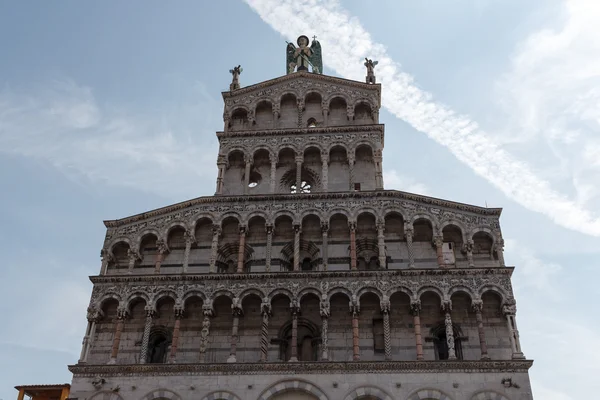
{"points": [[379, 128], [273, 142], [351, 367], [299, 84], [363, 391], [429, 394], [379, 203], [442, 282]]}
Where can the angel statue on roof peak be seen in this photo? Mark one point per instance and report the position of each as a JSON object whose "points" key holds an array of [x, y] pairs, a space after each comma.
{"points": [[301, 57]]}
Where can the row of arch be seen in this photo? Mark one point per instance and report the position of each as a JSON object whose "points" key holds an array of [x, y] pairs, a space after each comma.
{"points": [[204, 223], [292, 111], [315, 165], [288, 387], [354, 297]]}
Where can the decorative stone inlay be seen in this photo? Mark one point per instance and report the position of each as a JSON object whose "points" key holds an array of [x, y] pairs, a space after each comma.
{"points": [[275, 368], [107, 395]]}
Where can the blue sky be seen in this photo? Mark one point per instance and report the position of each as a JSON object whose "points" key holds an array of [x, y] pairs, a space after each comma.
{"points": [[110, 108]]}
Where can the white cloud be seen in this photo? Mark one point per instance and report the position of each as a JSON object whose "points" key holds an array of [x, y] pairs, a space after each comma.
{"points": [[552, 97], [172, 155], [535, 272], [396, 181], [346, 43]]}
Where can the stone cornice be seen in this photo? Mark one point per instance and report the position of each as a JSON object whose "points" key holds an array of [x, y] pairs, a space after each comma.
{"points": [[262, 276], [304, 131], [354, 367], [366, 196], [300, 75]]}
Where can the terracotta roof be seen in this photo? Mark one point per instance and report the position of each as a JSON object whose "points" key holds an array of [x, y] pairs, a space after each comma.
{"points": [[55, 386]]}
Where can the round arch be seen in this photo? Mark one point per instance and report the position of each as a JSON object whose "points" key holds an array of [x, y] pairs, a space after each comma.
{"points": [[488, 395], [161, 394], [106, 395], [220, 395], [290, 385], [370, 391], [429, 394]]}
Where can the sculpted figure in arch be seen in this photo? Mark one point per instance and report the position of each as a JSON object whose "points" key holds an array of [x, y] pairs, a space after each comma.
{"points": [[301, 57]]}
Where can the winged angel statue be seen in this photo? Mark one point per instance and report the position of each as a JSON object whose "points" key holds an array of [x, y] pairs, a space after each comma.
{"points": [[299, 58]]}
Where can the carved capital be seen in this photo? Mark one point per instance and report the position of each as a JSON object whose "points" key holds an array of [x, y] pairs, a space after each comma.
{"points": [[385, 305], [150, 311], [352, 226], [207, 309], [216, 229], [265, 307], [446, 306], [299, 158], [178, 311], [294, 307], [324, 227], [477, 306], [269, 229], [134, 254], [438, 241], [189, 236], [324, 308], [162, 246], [415, 307], [122, 313]]}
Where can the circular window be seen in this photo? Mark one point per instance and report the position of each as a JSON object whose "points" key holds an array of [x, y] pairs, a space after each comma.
{"points": [[304, 188]]}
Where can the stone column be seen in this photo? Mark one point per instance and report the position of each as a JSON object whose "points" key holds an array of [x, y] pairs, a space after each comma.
{"points": [[325, 313], [273, 160], [469, 251], [178, 311], [325, 170], [88, 338], [160, 255], [269, 228], [499, 247], [352, 226], [325, 108], [375, 115], [438, 242], [265, 309], [295, 310], [350, 114], [415, 309], [237, 313], [409, 232], [324, 245], [208, 312], [296, 247], [222, 166], [275, 115], [107, 258], [387, 340], [226, 119], [299, 160], [378, 169], [146, 336], [447, 309], [300, 112], [248, 161], [121, 315], [477, 306], [189, 240], [351, 161], [134, 256], [381, 244], [355, 310], [509, 309], [240, 265], [214, 246]]}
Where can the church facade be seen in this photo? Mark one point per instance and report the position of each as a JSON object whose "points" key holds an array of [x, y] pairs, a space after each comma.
{"points": [[302, 277]]}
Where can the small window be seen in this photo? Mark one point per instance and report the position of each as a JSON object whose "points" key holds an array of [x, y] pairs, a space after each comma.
{"points": [[378, 340], [357, 186], [312, 123]]}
